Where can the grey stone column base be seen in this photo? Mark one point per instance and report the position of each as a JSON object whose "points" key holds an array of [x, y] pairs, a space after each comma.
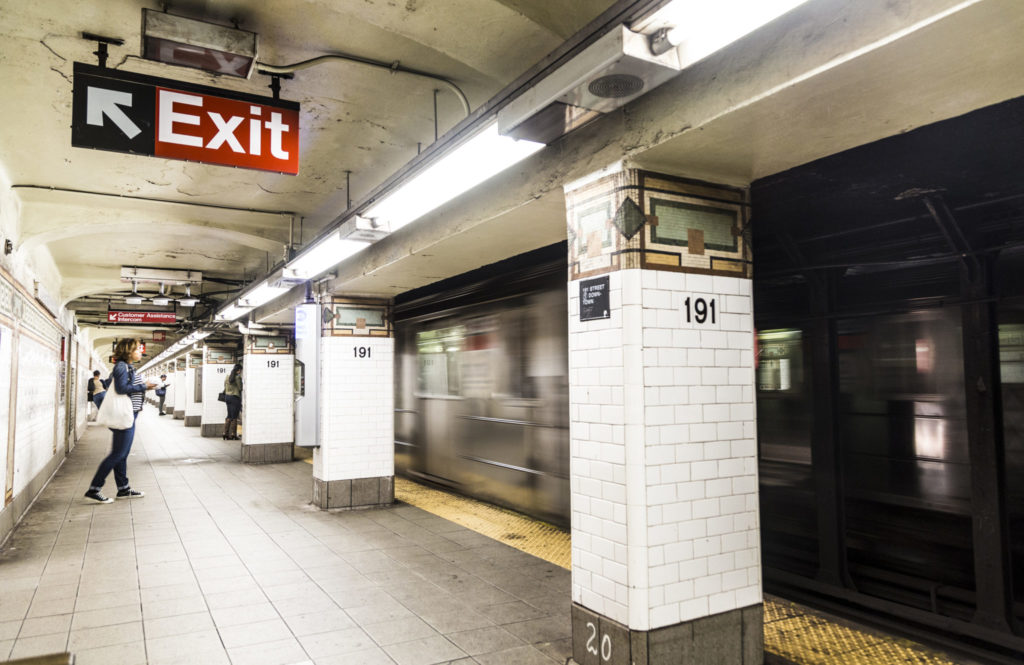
{"points": [[193, 421], [267, 453], [730, 638], [212, 430], [168, 409], [179, 415], [357, 493]]}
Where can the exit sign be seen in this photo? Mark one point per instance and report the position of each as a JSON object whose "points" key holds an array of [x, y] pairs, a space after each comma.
{"points": [[144, 115]]}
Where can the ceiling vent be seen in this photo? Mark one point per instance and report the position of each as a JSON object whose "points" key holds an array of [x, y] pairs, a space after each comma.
{"points": [[609, 73]]}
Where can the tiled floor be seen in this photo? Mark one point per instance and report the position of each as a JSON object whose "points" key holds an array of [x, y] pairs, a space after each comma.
{"points": [[225, 563]]}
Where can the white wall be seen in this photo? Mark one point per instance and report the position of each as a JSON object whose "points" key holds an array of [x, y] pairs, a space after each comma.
{"points": [[192, 407], [172, 385], [180, 390], [6, 353], [213, 412], [38, 365], [357, 419], [268, 398], [663, 451]]}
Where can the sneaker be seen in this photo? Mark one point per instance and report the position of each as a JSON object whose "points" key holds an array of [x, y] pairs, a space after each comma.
{"points": [[130, 494], [97, 495]]}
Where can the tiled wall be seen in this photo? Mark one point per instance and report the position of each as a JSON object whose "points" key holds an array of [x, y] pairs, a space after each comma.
{"points": [[38, 367], [192, 407], [213, 411], [268, 398], [180, 391], [356, 409], [172, 387], [6, 358], [597, 452], [667, 405]]}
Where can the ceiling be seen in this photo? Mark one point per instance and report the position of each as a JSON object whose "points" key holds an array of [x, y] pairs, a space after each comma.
{"points": [[828, 76], [86, 213]]}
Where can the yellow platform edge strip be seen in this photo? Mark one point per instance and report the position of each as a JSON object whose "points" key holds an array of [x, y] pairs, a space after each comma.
{"points": [[789, 631]]}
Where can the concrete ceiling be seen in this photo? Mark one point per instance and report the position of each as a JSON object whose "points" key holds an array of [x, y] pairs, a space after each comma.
{"points": [[831, 75], [231, 223]]}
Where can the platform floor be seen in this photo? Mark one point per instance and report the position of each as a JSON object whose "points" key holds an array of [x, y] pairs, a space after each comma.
{"points": [[226, 563]]}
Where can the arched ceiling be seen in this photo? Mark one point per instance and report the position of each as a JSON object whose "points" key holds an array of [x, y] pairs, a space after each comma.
{"points": [[93, 211]]}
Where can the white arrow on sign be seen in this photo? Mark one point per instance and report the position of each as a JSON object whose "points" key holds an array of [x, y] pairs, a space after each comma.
{"points": [[100, 102]]}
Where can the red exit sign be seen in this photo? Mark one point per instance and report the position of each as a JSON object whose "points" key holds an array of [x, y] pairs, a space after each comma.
{"points": [[126, 112]]}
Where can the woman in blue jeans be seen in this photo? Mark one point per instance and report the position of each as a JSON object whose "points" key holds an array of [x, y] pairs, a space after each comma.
{"points": [[125, 382]]}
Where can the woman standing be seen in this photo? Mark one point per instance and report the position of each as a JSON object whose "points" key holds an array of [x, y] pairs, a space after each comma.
{"points": [[125, 382], [233, 399]]}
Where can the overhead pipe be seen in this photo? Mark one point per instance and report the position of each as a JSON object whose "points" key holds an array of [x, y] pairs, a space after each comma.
{"points": [[264, 68]]}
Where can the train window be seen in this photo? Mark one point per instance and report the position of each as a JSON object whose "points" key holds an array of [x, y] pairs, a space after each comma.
{"points": [[905, 462], [438, 354], [1011, 374], [784, 429]]}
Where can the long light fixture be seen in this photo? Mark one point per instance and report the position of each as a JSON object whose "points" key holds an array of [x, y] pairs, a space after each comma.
{"points": [[699, 28], [329, 252], [478, 158], [484, 155]]}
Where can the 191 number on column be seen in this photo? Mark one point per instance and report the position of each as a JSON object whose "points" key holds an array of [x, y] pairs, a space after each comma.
{"points": [[361, 351], [699, 310]]}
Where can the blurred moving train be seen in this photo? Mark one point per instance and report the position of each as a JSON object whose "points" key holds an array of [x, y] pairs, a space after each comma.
{"points": [[482, 385]]}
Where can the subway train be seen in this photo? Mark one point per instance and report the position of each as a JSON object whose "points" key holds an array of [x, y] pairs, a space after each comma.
{"points": [[482, 385]]}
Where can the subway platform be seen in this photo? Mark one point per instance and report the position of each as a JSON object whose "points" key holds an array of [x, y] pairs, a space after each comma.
{"points": [[222, 562]]}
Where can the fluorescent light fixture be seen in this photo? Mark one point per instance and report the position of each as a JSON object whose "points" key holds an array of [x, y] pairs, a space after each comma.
{"points": [[232, 312], [486, 154], [326, 254], [188, 300], [262, 294], [161, 301], [699, 28]]}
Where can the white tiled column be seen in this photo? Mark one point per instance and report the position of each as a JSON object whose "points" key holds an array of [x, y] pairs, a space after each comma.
{"points": [[267, 405], [217, 365], [193, 407], [171, 388], [178, 405], [355, 462], [665, 537]]}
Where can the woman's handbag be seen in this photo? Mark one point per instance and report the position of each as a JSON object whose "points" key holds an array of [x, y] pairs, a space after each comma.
{"points": [[116, 411], [221, 397]]}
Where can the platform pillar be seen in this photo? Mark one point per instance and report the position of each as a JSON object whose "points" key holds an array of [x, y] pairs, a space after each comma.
{"points": [[171, 387], [268, 399], [193, 407], [665, 530], [354, 465], [217, 364], [178, 378]]}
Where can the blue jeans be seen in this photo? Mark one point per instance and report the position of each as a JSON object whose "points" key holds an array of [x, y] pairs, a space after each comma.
{"points": [[97, 399], [117, 460]]}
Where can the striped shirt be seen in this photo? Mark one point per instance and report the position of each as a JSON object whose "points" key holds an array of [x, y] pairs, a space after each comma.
{"points": [[131, 384], [137, 398]]}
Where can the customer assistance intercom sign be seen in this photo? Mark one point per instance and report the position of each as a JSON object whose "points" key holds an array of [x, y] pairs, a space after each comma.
{"points": [[145, 115]]}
